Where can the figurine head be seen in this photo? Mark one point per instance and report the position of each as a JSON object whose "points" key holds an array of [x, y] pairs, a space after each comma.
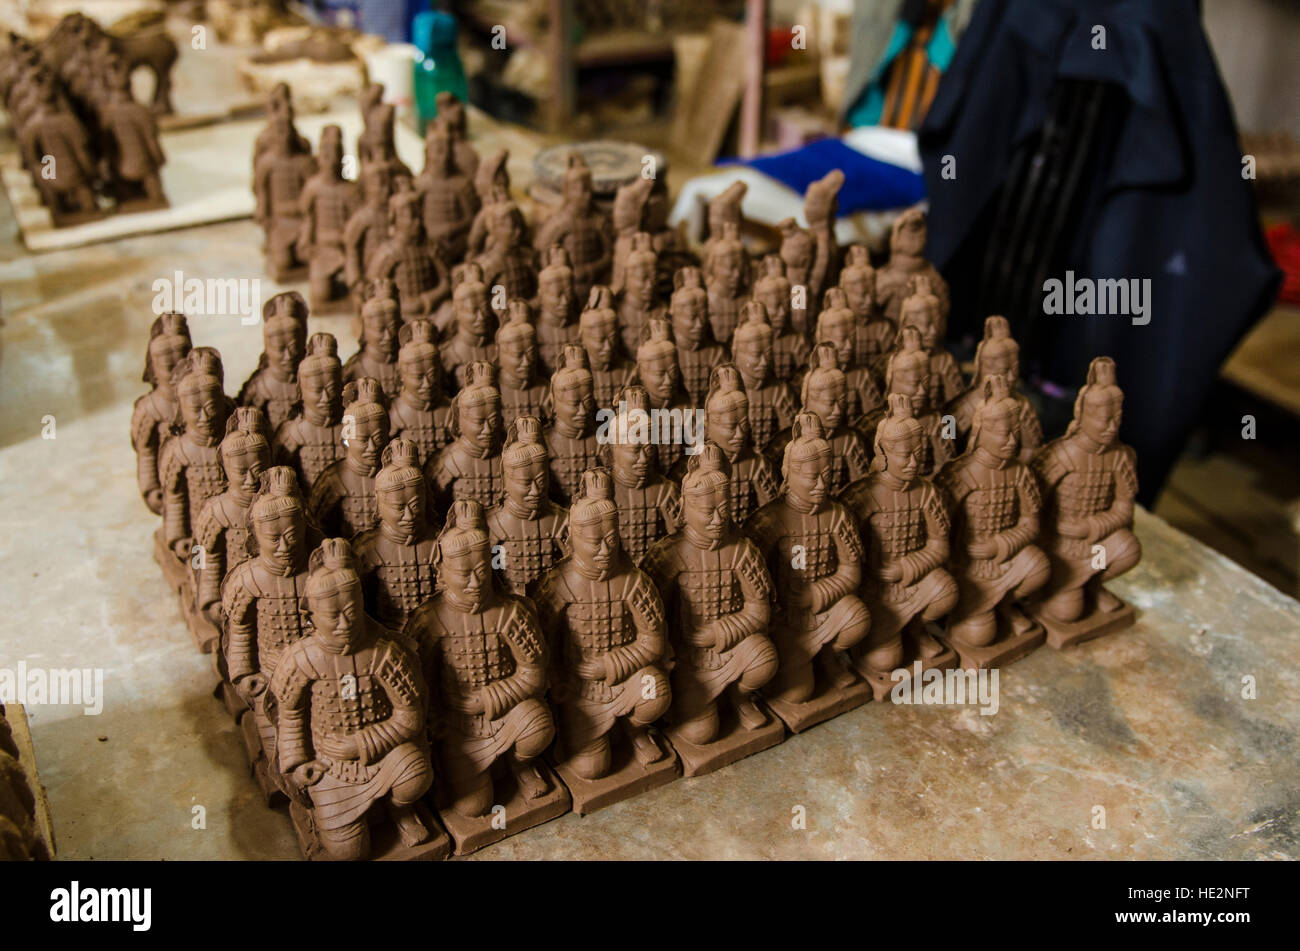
{"points": [[404, 219], [593, 525], [400, 491], [706, 495], [526, 466], [365, 422], [858, 280], [997, 354], [451, 113], [836, 325], [470, 303], [806, 465], [246, 451], [908, 371], [320, 379], [796, 249], [631, 449], [825, 388], [576, 187], [727, 410], [598, 327], [640, 268], [202, 400], [995, 426], [1098, 409], [629, 204], [505, 223], [380, 322], [899, 441], [820, 200], [277, 520], [418, 363], [923, 311], [334, 594], [330, 158], [907, 237], [725, 208], [751, 344], [689, 308], [492, 174], [517, 345], [477, 417], [772, 290], [169, 344], [656, 361], [555, 284], [464, 557], [573, 399], [284, 335], [726, 262], [438, 150]]}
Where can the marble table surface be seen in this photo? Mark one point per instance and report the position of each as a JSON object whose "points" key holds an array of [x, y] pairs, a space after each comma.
{"points": [[1143, 745]]}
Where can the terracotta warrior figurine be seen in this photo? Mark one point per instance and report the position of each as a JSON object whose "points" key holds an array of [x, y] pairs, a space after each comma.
{"points": [[922, 311], [998, 354], [771, 401], [717, 590], [726, 275], [491, 175], [397, 558], [157, 414], [906, 250], [273, 387], [697, 352], [422, 410], [523, 392], [557, 308], [874, 335], [189, 464], [660, 376], [837, 326], [377, 144], [604, 620], [797, 252], [649, 504], [130, 138], [342, 501], [411, 259], [611, 369], [279, 113], [54, 130], [626, 218], [472, 340], [531, 530], [485, 652], [469, 467], [821, 208], [312, 441], [908, 372], [581, 227], [790, 348], [636, 301], [995, 504], [379, 342], [453, 119], [506, 259], [1089, 481], [221, 529], [261, 607], [279, 176], [351, 720], [813, 550], [367, 229], [724, 210], [753, 480], [447, 198], [906, 527], [328, 203], [571, 441]]}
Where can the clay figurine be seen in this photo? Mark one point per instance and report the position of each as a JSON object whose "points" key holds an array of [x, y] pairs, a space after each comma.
{"points": [[279, 113], [581, 227], [422, 411], [377, 144], [724, 212], [837, 326], [636, 303], [328, 204], [906, 528], [279, 176], [131, 149], [273, 387], [906, 250], [342, 500], [571, 441], [472, 340], [485, 652], [490, 176], [505, 259], [658, 373], [649, 504], [908, 372], [697, 352], [470, 466], [448, 201], [718, 593], [453, 120], [528, 531], [557, 308], [157, 414], [523, 392], [821, 208], [998, 354], [995, 504], [604, 621], [790, 347], [379, 342], [814, 553], [726, 275], [411, 259], [1089, 481], [921, 310], [312, 441], [351, 710], [53, 137], [797, 252], [611, 370], [367, 229], [771, 401], [874, 335], [626, 218]]}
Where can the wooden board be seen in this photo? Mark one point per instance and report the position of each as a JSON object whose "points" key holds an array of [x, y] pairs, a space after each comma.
{"points": [[22, 733], [705, 110]]}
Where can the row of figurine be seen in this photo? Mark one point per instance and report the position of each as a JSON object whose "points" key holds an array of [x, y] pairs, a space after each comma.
{"points": [[81, 134], [682, 594]]}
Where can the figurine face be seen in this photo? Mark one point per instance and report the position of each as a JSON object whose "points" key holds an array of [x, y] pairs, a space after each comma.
{"points": [[659, 374], [641, 276], [596, 544], [284, 347], [708, 513], [926, 321], [244, 471], [913, 381], [368, 443], [632, 459], [859, 289], [730, 430], [838, 330], [727, 269], [911, 238], [336, 617], [830, 402], [402, 508], [598, 341], [321, 389], [467, 575], [902, 457], [164, 353], [1003, 361], [199, 409], [557, 295], [518, 355], [505, 228], [753, 359], [472, 313], [480, 422], [775, 296], [419, 379], [381, 333], [278, 538], [573, 406], [688, 320], [1099, 418], [810, 479], [1000, 436], [528, 484]]}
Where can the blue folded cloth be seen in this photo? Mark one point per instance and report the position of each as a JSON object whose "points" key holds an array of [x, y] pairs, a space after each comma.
{"points": [[869, 184]]}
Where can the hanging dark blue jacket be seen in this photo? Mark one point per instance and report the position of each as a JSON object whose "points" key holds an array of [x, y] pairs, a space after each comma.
{"points": [[1171, 205]]}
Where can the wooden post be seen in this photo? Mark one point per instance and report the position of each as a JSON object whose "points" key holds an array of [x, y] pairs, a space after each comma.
{"points": [[751, 107], [563, 65]]}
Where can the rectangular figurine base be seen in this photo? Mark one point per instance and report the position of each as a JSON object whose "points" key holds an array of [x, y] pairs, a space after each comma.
{"points": [[137, 205], [471, 833], [1096, 624], [175, 572], [293, 275], [733, 744], [626, 779], [62, 219], [1001, 653], [384, 843], [825, 706]]}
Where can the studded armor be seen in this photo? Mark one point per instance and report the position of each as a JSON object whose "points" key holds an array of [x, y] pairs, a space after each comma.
{"points": [[532, 400], [551, 340], [263, 616], [309, 448], [414, 268], [771, 409], [803, 548], [396, 577], [277, 399], [569, 458], [789, 356], [531, 545], [989, 502], [607, 384], [222, 533], [457, 354], [190, 474], [343, 501], [360, 364], [849, 458], [459, 473], [646, 514], [1080, 484], [429, 429], [696, 365]]}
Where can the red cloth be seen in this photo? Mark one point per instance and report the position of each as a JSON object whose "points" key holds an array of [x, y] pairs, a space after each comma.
{"points": [[1284, 243]]}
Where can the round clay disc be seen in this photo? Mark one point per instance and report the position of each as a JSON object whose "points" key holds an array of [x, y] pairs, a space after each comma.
{"points": [[612, 164]]}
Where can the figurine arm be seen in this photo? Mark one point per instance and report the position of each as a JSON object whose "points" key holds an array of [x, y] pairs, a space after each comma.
{"points": [[784, 406], [523, 635], [211, 541], [239, 609], [176, 514], [285, 444], [144, 439], [937, 527], [670, 507], [292, 689], [848, 574], [396, 674], [756, 588], [1025, 531], [1120, 513], [857, 459], [764, 481], [647, 610]]}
